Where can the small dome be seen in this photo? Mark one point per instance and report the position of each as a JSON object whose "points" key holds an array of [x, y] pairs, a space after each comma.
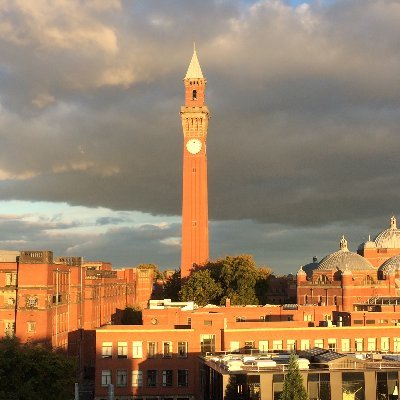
{"points": [[310, 267], [301, 271], [390, 265], [344, 259], [389, 238]]}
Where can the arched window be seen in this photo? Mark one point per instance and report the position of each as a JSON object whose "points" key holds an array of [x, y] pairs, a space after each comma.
{"points": [[194, 95]]}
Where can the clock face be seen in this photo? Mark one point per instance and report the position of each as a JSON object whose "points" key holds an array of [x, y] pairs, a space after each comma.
{"points": [[193, 146]]}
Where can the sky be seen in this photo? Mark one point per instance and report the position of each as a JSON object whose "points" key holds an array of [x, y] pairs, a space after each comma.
{"points": [[303, 143]]}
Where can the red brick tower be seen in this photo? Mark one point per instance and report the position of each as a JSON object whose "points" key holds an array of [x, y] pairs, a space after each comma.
{"points": [[195, 117]]}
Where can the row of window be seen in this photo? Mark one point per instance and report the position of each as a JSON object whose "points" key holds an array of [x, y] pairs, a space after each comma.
{"points": [[169, 378], [344, 345], [319, 385], [152, 349]]}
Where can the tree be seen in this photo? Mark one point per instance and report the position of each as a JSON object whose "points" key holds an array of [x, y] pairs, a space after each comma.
{"points": [[237, 278], [132, 316], [30, 371], [201, 288], [172, 286], [293, 388]]}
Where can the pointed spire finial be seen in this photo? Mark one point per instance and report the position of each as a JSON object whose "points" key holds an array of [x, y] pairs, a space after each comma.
{"points": [[393, 222], [194, 70]]}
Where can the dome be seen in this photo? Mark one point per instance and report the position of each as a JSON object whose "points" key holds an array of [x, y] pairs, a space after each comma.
{"points": [[344, 259], [389, 238], [301, 271], [390, 265], [310, 267]]}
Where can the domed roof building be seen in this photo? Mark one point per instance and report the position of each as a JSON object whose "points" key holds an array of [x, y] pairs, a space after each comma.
{"points": [[344, 278], [385, 245], [392, 265], [343, 259]]}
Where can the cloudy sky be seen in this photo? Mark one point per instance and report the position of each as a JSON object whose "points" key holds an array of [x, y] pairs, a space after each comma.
{"points": [[303, 144]]}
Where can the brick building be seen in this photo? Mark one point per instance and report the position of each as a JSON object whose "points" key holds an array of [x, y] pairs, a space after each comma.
{"points": [[45, 299], [345, 278]]}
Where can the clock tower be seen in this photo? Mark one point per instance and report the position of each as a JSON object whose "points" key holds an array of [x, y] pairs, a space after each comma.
{"points": [[195, 115]]}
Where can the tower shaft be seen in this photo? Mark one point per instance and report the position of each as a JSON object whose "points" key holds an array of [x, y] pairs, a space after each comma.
{"points": [[195, 116]]}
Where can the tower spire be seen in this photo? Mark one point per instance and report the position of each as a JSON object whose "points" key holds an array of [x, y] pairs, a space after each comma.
{"points": [[194, 70]]}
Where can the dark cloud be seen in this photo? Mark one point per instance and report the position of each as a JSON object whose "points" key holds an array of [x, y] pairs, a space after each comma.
{"points": [[305, 108]]}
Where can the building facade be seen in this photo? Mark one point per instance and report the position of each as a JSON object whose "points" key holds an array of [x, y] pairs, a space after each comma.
{"points": [[45, 300]]}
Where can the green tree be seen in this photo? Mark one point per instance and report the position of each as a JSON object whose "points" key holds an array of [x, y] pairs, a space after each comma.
{"points": [[172, 286], [293, 388], [132, 316], [29, 371], [201, 288], [237, 278]]}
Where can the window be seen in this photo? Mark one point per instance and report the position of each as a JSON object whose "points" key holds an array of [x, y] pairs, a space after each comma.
{"points": [[291, 344], [319, 343], [151, 377], [304, 344], [308, 317], [386, 385], [31, 326], [319, 386], [167, 377], [137, 378], [11, 278], [57, 298], [137, 350], [122, 378], [9, 328], [32, 302], [371, 344], [208, 322], [151, 349], [353, 382], [207, 344], [263, 346], [332, 344], [182, 349], [194, 95], [277, 345], [359, 342], [385, 344], [11, 301], [235, 347], [106, 350], [167, 349], [248, 347], [277, 385], [105, 377], [345, 345], [122, 350], [396, 344], [183, 377]]}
